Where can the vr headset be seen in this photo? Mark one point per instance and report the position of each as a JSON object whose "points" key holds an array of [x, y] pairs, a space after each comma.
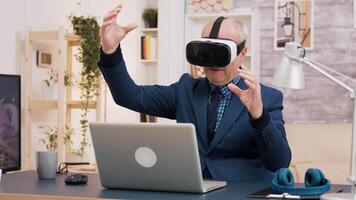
{"points": [[213, 52]]}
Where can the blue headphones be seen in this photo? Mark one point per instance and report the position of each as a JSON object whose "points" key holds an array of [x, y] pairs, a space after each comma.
{"points": [[314, 181]]}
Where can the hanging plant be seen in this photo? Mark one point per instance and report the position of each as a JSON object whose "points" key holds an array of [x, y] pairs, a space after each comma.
{"points": [[88, 29]]}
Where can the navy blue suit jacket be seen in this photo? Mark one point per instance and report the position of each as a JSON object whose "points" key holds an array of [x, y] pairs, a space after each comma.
{"points": [[239, 150]]}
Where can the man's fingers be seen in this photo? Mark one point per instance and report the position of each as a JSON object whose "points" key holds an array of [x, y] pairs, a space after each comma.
{"points": [[250, 85], [244, 67], [105, 25], [116, 9], [246, 71], [236, 90], [109, 16], [247, 76], [112, 12], [130, 27]]}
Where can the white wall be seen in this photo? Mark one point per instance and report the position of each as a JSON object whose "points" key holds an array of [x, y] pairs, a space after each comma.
{"points": [[12, 20]]}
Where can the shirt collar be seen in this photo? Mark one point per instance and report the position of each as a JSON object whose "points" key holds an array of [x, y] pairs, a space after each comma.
{"points": [[224, 90]]}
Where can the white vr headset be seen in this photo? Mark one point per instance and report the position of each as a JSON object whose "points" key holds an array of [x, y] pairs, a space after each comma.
{"points": [[213, 52]]}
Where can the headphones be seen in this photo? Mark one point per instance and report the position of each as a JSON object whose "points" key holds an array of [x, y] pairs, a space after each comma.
{"points": [[314, 181]]}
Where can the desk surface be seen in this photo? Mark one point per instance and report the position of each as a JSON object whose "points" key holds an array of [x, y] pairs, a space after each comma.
{"points": [[27, 183]]}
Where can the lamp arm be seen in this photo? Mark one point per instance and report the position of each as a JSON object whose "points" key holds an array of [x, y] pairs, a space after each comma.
{"points": [[334, 71], [352, 177], [329, 76], [320, 69]]}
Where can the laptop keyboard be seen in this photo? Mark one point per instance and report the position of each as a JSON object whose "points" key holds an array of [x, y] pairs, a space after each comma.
{"points": [[209, 184]]}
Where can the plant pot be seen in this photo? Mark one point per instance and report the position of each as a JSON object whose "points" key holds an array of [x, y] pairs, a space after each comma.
{"points": [[150, 17], [151, 23], [47, 164]]}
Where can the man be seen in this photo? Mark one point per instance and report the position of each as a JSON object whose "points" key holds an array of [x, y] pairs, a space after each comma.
{"points": [[243, 139]]}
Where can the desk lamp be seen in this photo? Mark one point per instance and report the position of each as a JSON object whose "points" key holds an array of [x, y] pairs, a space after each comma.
{"points": [[290, 75]]}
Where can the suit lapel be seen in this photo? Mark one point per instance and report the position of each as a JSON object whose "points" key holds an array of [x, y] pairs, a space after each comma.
{"points": [[231, 114], [201, 95]]}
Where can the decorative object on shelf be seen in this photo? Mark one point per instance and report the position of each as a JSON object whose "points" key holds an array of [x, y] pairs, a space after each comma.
{"points": [[148, 47], [293, 22], [47, 160], [88, 29], [210, 6], [52, 79], [150, 17], [50, 137], [44, 59], [148, 118]]}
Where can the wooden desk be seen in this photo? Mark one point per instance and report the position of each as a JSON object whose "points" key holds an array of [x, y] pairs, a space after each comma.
{"points": [[26, 185]]}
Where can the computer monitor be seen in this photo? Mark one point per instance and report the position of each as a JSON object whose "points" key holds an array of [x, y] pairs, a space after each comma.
{"points": [[10, 124]]}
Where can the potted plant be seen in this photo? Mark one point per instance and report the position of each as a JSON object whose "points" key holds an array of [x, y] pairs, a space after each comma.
{"points": [[47, 159], [150, 17], [50, 137], [2, 162]]}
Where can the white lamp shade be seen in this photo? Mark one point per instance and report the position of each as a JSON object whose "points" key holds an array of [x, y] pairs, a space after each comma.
{"points": [[289, 74]]}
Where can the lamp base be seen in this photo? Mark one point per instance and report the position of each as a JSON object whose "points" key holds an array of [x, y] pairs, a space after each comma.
{"points": [[337, 196]]}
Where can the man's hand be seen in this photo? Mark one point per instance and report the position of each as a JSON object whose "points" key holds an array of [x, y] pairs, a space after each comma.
{"points": [[111, 33], [251, 97]]}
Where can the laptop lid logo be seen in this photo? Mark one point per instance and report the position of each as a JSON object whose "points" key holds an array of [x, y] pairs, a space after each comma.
{"points": [[145, 157]]}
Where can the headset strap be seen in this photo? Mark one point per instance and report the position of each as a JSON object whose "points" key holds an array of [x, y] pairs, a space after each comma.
{"points": [[216, 27], [240, 47]]}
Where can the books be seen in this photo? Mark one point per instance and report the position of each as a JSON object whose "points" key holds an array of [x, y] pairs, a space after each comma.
{"points": [[148, 118], [148, 47]]}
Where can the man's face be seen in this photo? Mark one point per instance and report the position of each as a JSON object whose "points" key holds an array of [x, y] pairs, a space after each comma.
{"points": [[222, 76]]}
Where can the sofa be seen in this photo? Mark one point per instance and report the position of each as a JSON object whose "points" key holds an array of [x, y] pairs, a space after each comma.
{"points": [[323, 146]]}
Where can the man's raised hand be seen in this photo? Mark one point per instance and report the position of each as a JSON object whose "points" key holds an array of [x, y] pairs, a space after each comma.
{"points": [[111, 33]]}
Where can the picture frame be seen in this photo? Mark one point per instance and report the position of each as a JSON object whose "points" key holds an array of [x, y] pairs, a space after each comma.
{"points": [[44, 59], [293, 22], [10, 122]]}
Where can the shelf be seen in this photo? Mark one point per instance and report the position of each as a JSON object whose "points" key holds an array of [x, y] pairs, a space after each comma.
{"points": [[72, 39], [238, 13], [43, 36], [148, 61], [53, 104], [149, 29], [43, 104], [80, 104]]}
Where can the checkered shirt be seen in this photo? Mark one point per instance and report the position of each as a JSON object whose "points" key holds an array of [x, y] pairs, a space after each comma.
{"points": [[224, 98]]}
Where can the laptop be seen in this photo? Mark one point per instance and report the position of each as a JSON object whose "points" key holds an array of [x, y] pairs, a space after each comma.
{"points": [[149, 156]]}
